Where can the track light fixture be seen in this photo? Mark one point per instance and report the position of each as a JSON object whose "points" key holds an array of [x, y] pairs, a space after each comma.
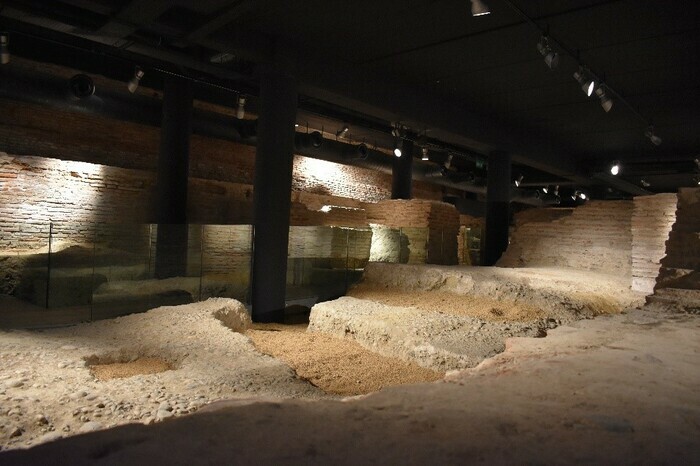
{"points": [[615, 168], [316, 139], [424, 151], [448, 162], [605, 101], [551, 58], [518, 181], [362, 151], [585, 80], [652, 136], [556, 190], [240, 111], [479, 8], [133, 83], [342, 131], [644, 183], [81, 86], [4, 48]]}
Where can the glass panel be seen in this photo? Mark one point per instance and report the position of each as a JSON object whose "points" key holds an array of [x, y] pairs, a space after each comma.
{"points": [[414, 246], [71, 278], [226, 259], [123, 270], [316, 265], [388, 245], [24, 271], [359, 245]]}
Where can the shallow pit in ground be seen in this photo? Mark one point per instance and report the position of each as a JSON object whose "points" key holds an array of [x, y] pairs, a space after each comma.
{"points": [[335, 365], [108, 368]]}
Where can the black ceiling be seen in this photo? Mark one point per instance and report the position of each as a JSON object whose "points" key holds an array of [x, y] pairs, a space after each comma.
{"points": [[473, 82]]}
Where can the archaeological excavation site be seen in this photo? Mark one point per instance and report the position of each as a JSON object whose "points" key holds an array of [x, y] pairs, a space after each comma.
{"points": [[423, 232]]}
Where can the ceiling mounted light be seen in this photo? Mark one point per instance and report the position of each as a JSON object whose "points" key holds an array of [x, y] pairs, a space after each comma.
{"points": [[652, 136], [615, 168], [4, 48], [587, 83], [696, 180], [518, 181], [545, 189], [605, 101], [551, 58], [133, 83], [342, 131], [81, 86], [316, 139], [479, 8], [448, 162], [425, 156], [644, 183], [240, 111], [397, 147], [556, 190], [362, 151], [582, 196]]}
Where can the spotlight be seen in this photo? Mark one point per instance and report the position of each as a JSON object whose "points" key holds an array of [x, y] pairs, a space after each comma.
{"points": [[551, 58], [583, 196], [652, 136], [696, 180], [425, 156], [133, 83], [342, 131], [240, 111], [479, 8], [605, 101], [81, 86], [644, 183], [587, 83], [4, 48], [316, 139], [518, 181], [615, 168], [556, 190], [448, 162], [545, 189], [397, 150], [362, 151]]}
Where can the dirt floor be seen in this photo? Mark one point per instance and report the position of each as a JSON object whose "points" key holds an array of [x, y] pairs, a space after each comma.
{"points": [[335, 365], [619, 389], [403, 319]]}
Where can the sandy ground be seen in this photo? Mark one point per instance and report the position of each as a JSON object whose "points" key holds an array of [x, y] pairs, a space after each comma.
{"points": [[337, 366], [620, 389], [48, 389]]}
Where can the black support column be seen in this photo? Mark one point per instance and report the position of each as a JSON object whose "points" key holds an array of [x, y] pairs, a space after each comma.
{"points": [[171, 186], [402, 172], [497, 207], [272, 192]]}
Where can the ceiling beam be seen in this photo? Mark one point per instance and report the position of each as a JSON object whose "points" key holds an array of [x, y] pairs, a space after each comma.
{"points": [[128, 20]]}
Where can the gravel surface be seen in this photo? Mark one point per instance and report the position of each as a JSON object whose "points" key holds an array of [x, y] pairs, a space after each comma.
{"points": [[336, 365]]}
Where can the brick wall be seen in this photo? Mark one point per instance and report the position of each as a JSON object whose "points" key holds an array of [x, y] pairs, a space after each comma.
{"points": [[652, 220], [595, 236], [429, 231]]}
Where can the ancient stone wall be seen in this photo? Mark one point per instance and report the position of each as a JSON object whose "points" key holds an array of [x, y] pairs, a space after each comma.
{"points": [[595, 236], [652, 220]]}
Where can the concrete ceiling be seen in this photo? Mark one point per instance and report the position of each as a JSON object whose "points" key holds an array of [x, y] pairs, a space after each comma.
{"points": [[475, 83]]}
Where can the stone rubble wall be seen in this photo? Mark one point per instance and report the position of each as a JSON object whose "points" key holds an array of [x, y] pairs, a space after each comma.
{"points": [[595, 236], [652, 220]]}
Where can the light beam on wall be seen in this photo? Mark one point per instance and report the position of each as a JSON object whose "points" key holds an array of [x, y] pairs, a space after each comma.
{"points": [[479, 8]]}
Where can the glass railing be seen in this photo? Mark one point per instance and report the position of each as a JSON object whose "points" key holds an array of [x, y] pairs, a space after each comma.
{"points": [[63, 273]]}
